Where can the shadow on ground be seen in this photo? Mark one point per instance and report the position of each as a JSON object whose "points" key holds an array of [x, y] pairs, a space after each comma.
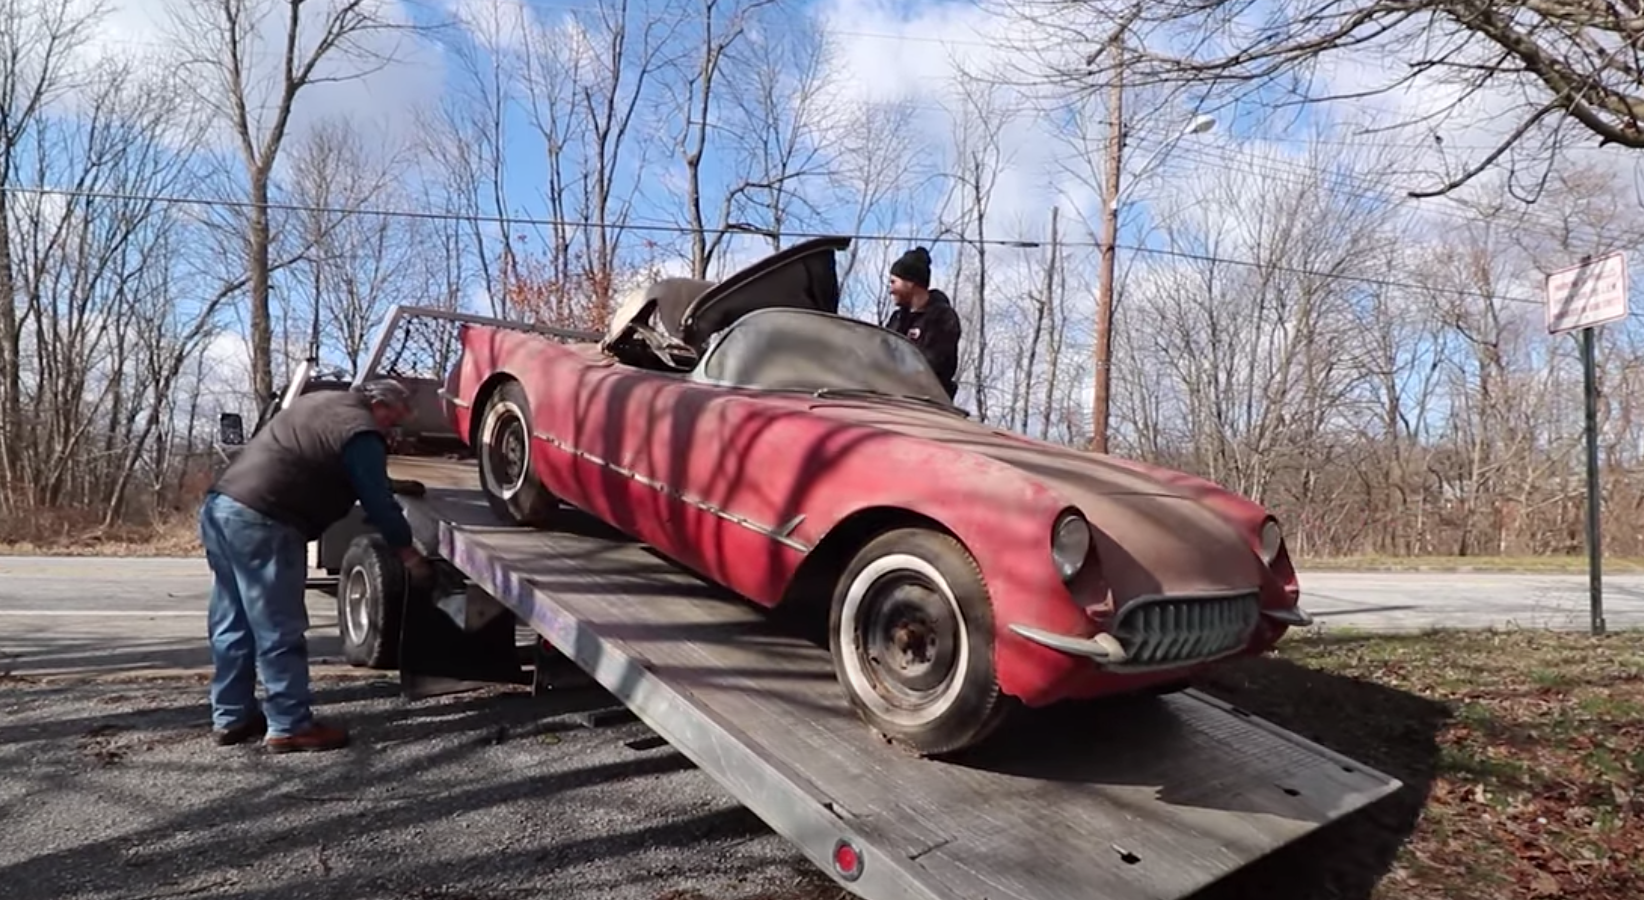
{"points": [[474, 795], [1387, 729], [64, 655]]}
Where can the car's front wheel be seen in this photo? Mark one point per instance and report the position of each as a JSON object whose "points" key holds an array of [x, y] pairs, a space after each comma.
{"points": [[911, 630], [507, 476]]}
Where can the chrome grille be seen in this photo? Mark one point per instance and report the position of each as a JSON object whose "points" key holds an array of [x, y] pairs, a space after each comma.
{"points": [[1171, 631]]}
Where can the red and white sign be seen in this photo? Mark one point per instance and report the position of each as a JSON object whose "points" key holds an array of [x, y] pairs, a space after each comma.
{"points": [[1589, 294]]}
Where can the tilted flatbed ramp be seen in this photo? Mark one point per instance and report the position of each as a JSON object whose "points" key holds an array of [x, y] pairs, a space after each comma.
{"points": [[1136, 800]]}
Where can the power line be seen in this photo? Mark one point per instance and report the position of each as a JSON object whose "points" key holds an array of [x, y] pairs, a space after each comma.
{"points": [[1256, 165], [683, 230], [1352, 184]]}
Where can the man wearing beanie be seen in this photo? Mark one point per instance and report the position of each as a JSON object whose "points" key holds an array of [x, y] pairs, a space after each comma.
{"points": [[924, 316]]}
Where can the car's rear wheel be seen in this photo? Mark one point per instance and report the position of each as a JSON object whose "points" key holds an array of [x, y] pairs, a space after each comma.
{"points": [[911, 630], [507, 476]]}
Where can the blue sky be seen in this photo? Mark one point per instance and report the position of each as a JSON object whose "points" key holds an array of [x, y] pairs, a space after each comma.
{"points": [[893, 53], [905, 53]]}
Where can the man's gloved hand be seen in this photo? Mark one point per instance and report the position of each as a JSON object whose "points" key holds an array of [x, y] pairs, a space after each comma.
{"points": [[407, 487], [416, 565]]}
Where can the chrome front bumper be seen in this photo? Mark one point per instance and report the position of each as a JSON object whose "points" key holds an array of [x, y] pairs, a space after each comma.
{"points": [[1108, 650]]}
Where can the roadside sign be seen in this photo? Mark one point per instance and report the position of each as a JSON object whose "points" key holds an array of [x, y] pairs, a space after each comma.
{"points": [[1591, 293]]}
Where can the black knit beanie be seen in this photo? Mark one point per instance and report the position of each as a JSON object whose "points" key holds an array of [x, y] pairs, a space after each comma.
{"points": [[913, 266]]}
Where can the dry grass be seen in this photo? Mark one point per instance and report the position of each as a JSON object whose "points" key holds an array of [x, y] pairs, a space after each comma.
{"points": [[1573, 565], [78, 533], [1522, 754]]}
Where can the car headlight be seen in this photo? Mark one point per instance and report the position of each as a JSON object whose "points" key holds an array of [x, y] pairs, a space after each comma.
{"points": [[1069, 544], [1272, 540]]}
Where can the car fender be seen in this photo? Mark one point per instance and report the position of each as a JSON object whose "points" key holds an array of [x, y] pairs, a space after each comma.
{"points": [[1281, 589], [1002, 517]]}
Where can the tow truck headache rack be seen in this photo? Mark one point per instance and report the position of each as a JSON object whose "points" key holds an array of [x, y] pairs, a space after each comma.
{"points": [[416, 346], [1119, 800]]}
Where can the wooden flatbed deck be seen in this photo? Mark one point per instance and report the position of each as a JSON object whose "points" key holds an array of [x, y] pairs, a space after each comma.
{"points": [[1117, 800]]}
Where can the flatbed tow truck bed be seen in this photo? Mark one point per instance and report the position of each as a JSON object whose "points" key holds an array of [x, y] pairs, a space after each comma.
{"points": [[1113, 801]]}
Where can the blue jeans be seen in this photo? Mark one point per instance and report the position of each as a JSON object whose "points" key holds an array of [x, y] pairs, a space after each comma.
{"points": [[258, 616]]}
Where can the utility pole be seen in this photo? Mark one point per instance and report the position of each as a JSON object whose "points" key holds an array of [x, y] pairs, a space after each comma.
{"points": [[1110, 236]]}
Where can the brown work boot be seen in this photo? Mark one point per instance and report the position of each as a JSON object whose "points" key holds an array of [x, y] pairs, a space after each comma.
{"points": [[316, 737], [253, 727]]}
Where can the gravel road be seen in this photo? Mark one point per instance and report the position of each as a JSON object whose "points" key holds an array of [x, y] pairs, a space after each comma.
{"points": [[110, 789]]}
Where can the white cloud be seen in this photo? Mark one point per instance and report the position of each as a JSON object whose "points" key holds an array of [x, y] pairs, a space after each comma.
{"points": [[929, 59], [495, 24], [888, 57], [397, 71], [227, 370]]}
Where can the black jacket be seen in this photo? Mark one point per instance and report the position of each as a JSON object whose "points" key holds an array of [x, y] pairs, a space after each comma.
{"points": [[936, 331]]}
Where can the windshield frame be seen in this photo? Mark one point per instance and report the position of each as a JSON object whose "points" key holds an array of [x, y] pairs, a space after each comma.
{"points": [[797, 321]]}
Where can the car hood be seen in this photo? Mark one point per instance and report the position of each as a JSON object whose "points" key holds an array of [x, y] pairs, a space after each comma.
{"points": [[1152, 537], [804, 276]]}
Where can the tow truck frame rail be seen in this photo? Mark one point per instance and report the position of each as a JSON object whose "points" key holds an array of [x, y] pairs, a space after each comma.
{"points": [[1150, 798]]}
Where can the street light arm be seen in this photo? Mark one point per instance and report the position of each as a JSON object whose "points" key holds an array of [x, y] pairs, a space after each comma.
{"points": [[1199, 125]]}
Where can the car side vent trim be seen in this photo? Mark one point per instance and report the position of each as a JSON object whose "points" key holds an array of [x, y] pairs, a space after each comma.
{"points": [[780, 535]]}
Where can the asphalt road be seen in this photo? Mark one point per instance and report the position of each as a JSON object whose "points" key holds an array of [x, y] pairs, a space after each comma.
{"points": [[1409, 601], [70, 614], [62, 614], [109, 790]]}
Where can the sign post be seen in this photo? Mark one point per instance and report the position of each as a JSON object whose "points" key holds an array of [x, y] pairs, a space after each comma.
{"points": [[1582, 298]]}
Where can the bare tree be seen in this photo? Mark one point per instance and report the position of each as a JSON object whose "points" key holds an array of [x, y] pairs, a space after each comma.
{"points": [[456, 177], [251, 59], [780, 116], [877, 173], [358, 264], [472, 136], [978, 158], [621, 60], [1043, 313], [553, 71], [38, 44], [1564, 65], [85, 258], [1251, 326], [720, 24]]}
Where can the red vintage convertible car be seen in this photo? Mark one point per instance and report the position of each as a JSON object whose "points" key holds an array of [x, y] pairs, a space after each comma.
{"points": [[750, 433]]}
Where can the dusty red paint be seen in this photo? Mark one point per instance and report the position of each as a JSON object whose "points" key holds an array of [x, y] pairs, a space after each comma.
{"points": [[767, 458]]}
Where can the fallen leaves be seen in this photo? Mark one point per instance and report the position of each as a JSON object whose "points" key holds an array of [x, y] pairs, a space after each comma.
{"points": [[1544, 885], [1534, 777]]}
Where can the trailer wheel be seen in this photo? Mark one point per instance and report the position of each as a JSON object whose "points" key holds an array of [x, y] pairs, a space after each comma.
{"points": [[911, 631], [370, 602], [507, 477]]}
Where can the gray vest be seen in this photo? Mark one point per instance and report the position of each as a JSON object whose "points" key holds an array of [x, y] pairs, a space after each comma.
{"points": [[292, 471]]}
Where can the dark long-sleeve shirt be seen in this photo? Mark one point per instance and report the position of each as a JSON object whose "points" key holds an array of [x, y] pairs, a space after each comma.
{"points": [[935, 330], [366, 456]]}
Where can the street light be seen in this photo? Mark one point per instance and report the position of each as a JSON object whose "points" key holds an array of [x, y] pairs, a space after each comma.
{"points": [[1199, 125], [1110, 235]]}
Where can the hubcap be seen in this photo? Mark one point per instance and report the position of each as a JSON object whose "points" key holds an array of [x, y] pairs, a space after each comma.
{"points": [[903, 650], [508, 452], [356, 611], [908, 640]]}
